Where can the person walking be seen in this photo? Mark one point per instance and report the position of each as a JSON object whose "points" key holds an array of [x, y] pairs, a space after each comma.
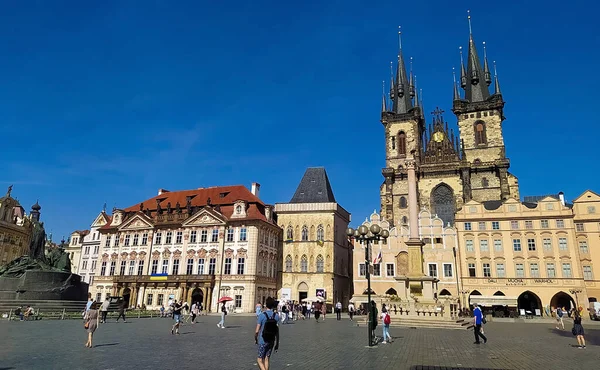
{"points": [[477, 322], [351, 311], [122, 306], [177, 317], [194, 312], [373, 316], [104, 310], [578, 330], [317, 307], [386, 321], [258, 309], [91, 323], [266, 335], [338, 310], [221, 323], [560, 312]]}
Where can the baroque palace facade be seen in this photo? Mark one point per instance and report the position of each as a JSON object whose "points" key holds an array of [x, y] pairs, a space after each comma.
{"points": [[193, 245], [481, 243]]}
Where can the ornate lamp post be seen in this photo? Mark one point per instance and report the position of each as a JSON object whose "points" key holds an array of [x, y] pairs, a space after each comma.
{"points": [[366, 235]]}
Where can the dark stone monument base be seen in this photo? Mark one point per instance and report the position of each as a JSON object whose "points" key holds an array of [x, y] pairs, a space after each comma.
{"points": [[44, 285]]}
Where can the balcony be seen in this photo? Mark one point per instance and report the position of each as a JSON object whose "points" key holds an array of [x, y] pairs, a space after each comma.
{"points": [[166, 279]]}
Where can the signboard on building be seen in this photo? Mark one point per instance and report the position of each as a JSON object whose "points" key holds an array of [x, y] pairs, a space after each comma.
{"points": [[286, 294], [321, 293]]}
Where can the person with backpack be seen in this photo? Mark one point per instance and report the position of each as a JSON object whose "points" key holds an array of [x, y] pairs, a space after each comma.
{"points": [[387, 320], [267, 334], [559, 318]]}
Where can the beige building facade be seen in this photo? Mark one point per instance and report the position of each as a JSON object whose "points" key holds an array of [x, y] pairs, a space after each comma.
{"points": [[386, 279], [520, 258], [16, 228], [193, 245], [586, 209], [317, 256]]}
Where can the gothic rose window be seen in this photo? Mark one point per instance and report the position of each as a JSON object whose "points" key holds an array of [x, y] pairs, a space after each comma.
{"points": [[442, 203], [401, 142], [480, 137]]}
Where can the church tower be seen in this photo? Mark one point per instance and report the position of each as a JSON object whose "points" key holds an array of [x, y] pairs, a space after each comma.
{"points": [[480, 116], [404, 126]]}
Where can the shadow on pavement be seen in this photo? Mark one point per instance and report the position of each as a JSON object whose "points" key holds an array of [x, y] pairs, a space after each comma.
{"points": [[592, 336], [426, 367], [104, 345]]}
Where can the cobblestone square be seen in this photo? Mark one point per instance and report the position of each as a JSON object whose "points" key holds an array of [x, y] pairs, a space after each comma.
{"points": [[148, 344]]}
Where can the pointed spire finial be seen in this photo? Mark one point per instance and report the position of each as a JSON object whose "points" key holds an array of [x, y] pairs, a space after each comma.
{"points": [[455, 87], [496, 83], [416, 94], [104, 208], [463, 72], [486, 68], [400, 38], [469, 19], [383, 101], [392, 81], [411, 80]]}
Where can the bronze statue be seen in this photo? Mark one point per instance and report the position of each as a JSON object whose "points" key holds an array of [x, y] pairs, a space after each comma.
{"points": [[57, 259]]}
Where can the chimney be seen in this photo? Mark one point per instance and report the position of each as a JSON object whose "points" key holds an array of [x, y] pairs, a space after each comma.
{"points": [[255, 189], [161, 191], [561, 196]]}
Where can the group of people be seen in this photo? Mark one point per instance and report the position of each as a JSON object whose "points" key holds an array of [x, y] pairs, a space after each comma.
{"points": [[577, 329], [24, 313]]}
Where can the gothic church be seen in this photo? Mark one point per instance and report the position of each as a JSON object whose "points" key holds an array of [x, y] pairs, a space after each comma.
{"points": [[451, 169]]}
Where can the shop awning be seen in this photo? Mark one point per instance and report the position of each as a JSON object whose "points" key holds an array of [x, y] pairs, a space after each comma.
{"points": [[495, 300]]}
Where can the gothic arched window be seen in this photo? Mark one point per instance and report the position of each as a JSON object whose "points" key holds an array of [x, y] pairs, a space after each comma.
{"points": [[443, 204], [304, 233], [304, 264], [404, 220], [403, 203], [480, 137], [320, 233], [320, 263], [484, 182], [401, 142], [290, 233], [393, 143], [288, 263]]}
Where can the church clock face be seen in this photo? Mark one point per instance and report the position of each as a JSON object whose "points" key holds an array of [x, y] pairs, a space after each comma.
{"points": [[438, 137]]}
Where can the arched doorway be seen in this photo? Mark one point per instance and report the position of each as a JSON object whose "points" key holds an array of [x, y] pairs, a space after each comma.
{"points": [[302, 291], [562, 299], [443, 203], [499, 293], [445, 292], [197, 296], [126, 296], [529, 301], [391, 291]]}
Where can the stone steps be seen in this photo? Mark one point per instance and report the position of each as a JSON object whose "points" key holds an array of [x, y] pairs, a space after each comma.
{"points": [[44, 306], [426, 322]]}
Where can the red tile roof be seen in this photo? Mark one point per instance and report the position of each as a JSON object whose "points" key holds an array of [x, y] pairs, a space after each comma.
{"points": [[222, 199]]}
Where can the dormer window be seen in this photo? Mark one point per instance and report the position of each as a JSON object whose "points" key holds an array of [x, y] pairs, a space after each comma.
{"points": [[238, 209]]}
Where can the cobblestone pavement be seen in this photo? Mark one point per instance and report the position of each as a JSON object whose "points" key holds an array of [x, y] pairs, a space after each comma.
{"points": [[148, 344]]}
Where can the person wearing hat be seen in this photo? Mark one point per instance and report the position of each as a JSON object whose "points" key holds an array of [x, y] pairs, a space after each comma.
{"points": [[477, 322]]}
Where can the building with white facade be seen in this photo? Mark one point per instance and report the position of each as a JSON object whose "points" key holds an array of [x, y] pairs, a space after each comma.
{"points": [[189, 245]]}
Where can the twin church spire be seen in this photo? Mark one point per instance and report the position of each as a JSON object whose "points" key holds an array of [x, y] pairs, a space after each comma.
{"points": [[475, 79]]}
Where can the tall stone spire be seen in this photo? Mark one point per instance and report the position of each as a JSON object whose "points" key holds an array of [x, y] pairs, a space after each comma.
{"points": [[486, 68], [401, 102], [496, 83], [476, 90], [456, 94], [383, 100]]}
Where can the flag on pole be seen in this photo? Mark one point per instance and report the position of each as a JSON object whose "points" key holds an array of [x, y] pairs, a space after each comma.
{"points": [[378, 258]]}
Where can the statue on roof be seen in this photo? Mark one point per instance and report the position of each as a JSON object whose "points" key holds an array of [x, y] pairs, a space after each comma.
{"points": [[9, 190], [178, 208], [169, 211]]}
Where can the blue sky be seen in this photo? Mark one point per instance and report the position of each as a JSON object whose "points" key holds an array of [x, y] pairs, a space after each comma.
{"points": [[108, 103]]}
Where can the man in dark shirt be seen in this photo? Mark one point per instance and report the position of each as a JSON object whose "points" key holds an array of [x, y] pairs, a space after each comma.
{"points": [[177, 317]]}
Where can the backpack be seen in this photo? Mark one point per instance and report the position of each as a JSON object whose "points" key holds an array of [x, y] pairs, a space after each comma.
{"points": [[270, 329], [387, 319], [559, 312]]}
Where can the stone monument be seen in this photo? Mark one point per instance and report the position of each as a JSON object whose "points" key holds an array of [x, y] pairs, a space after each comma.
{"points": [[38, 276]]}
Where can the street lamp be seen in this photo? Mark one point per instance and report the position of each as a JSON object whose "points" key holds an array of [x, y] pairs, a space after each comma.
{"points": [[367, 235], [465, 292], [576, 291]]}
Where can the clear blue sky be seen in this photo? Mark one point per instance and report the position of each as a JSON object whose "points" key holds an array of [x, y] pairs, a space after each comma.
{"points": [[109, 102]]}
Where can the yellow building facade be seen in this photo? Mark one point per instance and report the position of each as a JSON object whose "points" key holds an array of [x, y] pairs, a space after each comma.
{"points": [[586, 209], [317, 256], [520, 258], [16, 228]]}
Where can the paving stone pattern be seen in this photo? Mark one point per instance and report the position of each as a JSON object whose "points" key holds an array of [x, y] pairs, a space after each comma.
{"points": [[148, 344]]}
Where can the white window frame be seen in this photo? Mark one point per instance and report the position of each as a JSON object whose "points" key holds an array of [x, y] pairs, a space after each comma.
{"points": [[451, 270]]}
